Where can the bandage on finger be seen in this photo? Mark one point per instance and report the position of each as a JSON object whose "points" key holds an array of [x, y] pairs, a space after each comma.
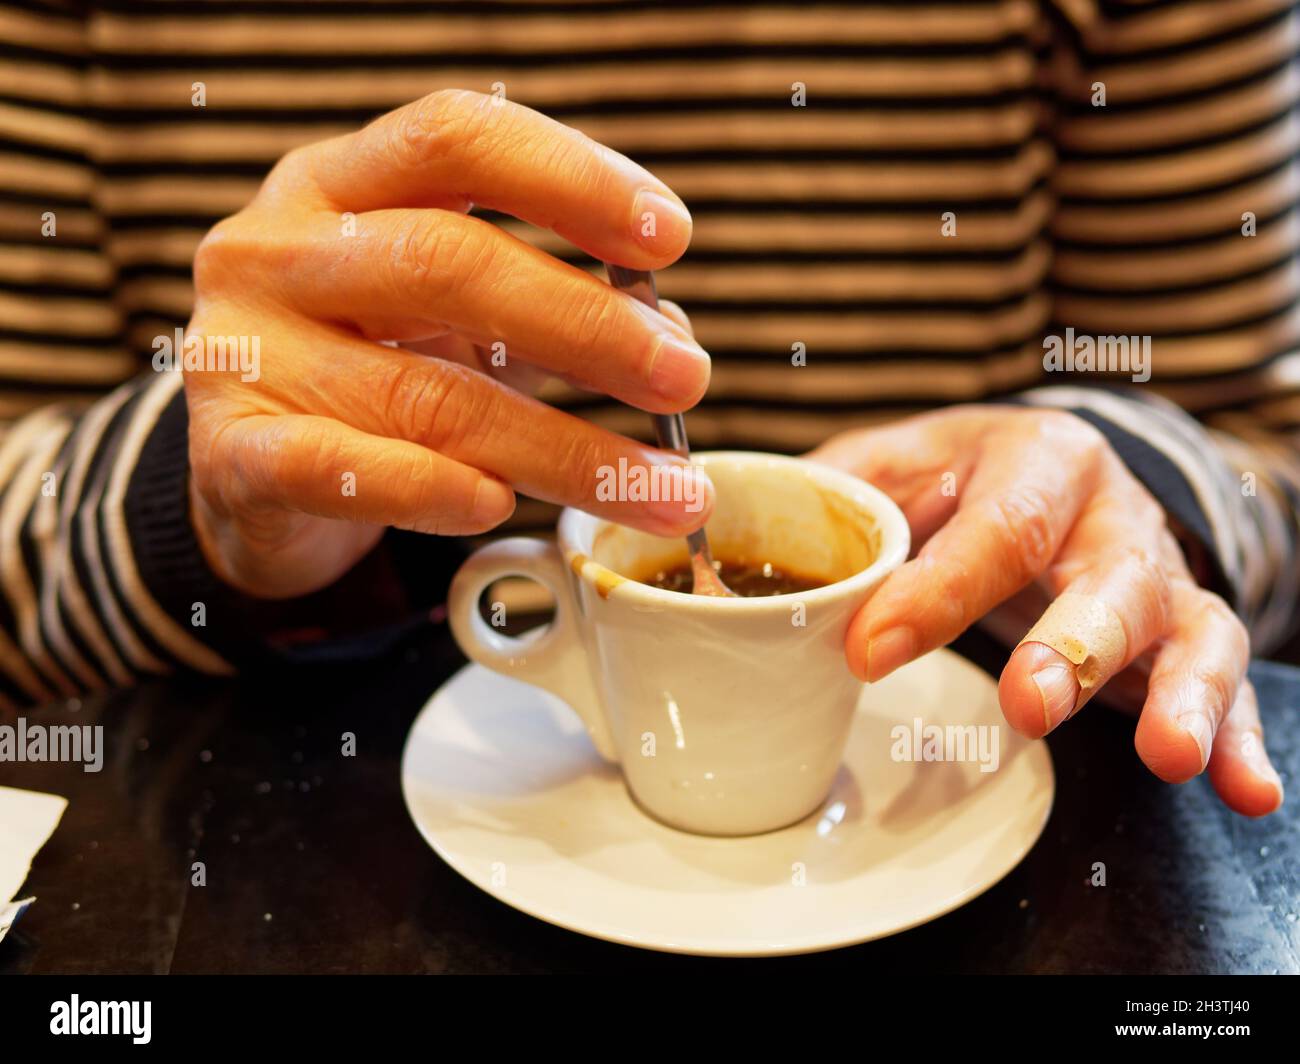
{"points": [[1088, 633]]}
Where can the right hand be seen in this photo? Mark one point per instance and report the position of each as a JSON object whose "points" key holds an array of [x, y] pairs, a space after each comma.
{"points": [[435, 439]]}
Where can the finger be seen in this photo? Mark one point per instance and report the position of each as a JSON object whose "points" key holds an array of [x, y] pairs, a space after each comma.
{"points": [[456, 147], [319, 466], [480, 422], [1239, 767], [674, 313], [1111, 604], [1007, 624], [415, 273], [1010, 523], [1194, 684]]}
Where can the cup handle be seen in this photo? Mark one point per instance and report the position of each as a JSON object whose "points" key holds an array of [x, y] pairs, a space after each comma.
{"points": [[554, 658]]}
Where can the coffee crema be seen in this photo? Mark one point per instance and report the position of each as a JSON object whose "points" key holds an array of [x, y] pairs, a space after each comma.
{"points": [[746, 578]]}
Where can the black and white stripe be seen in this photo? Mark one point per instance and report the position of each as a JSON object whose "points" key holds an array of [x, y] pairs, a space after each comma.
{"points": [[818, 225]]}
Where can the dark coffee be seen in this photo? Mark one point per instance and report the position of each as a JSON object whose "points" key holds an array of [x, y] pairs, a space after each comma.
{"points": [[745, 578]]}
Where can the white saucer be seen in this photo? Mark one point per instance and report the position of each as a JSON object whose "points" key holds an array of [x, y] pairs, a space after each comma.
{"points": [[503, 783]]}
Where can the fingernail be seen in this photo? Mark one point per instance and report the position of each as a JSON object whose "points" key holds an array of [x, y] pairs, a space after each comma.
{"points": [[1059, 691], [660, 224], [679, 370], [887, 651], [1198, 727]]}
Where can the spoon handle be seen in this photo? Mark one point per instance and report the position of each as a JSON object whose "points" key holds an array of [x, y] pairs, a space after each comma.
{"points": [[670, 429], [670, 432]]}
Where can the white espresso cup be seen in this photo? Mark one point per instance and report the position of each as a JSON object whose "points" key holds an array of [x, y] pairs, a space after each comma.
{"points": [[727, 716]]}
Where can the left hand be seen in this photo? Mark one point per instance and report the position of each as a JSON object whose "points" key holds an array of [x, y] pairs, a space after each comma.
{"points": [[1039, 504]]}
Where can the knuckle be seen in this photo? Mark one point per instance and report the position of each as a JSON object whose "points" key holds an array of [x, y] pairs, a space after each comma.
{"points": [[247, 252], [468, 261], [1024, 519], [1225, 623], [1144, 571], [436, 405], [588, 162], [1148, 509], [235, 464], [439, 125], [315, 453], [429, 255], [578, 459], [1221, 685], [1066, 432], [219, 255], [290, 168], [423, 500], [416, 257], [1147, 585], [415, 397], [1149, 571], [598, 323]]}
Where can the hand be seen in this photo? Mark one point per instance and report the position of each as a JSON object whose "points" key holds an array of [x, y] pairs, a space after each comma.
{"points": [[1042, 505], [360, 244]]}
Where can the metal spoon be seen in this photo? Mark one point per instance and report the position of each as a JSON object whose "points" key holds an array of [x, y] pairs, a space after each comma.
{"points": [[670, 432]]}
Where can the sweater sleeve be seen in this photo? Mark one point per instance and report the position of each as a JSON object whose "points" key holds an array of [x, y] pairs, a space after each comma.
{"points": [[73, 615], [102, 580], [1176, 224]]}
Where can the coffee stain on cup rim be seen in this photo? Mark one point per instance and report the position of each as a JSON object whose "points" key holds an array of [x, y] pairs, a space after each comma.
{"points": [[604, 580]]}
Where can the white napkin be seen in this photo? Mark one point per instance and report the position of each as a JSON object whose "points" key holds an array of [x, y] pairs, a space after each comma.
{"points": [[27, 819]]}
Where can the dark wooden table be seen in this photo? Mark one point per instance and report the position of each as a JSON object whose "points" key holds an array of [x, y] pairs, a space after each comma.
{"points": [[314, 866]]}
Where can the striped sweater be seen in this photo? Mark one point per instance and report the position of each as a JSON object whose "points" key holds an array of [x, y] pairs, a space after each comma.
{"points": [[915, 197]]}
